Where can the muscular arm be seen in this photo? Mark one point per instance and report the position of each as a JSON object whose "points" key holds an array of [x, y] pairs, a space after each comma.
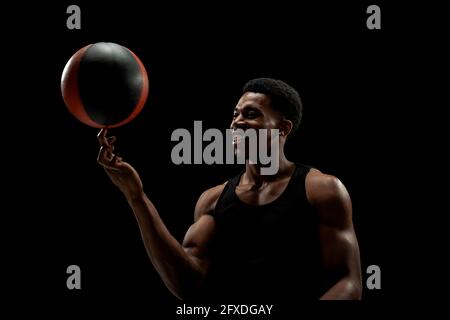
{"points": [[339, 246], [182, 267]]}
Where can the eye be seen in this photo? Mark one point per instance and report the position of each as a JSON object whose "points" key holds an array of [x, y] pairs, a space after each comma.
{"points": [[235, 114], [252, 114]]}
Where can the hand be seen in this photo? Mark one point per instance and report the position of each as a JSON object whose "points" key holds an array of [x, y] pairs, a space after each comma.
{"points": [[122, 174]]}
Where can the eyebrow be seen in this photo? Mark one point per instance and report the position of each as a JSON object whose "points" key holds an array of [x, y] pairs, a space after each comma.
{"points": [[251, 106]]}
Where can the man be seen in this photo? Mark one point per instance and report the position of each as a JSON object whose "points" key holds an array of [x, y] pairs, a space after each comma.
{"points": [[255, 237]]}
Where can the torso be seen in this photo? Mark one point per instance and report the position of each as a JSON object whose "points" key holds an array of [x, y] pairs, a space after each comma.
{"points": [[266, 240]]}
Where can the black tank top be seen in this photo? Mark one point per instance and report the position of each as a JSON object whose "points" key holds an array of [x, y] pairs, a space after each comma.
{"points": [[268, 252]]}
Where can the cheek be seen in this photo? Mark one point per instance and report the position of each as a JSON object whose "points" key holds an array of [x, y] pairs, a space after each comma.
{"points": [[272, 123]]}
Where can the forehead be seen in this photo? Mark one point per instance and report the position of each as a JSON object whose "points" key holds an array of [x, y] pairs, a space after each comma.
{"points": [[253, 99]]}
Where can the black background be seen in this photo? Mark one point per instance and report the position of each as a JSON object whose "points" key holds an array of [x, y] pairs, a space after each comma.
{"points": [[352, 81]]}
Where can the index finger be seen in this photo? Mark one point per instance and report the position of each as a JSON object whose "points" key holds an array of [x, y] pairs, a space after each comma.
{"points": [[102, 137]]}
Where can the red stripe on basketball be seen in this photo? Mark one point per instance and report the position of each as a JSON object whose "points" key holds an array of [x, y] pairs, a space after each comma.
{"points": [[70, 90]]}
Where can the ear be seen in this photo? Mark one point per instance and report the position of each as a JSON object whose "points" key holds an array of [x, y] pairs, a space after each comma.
{"points": [[285, 127]]}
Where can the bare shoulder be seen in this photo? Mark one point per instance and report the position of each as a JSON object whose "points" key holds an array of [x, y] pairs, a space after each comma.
{"points": [[208, 200], [329, 196], [321, 187]]}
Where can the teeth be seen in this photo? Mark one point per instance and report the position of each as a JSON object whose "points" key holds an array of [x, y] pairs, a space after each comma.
{"points": [[238, 135]]}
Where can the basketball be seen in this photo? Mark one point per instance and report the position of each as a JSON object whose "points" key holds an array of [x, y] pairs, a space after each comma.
{"points": [[104, 85]]}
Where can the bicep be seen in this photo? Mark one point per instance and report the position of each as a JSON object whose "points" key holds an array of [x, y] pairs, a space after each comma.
{"points": [[197, 242], [339, 252], [198, 239], [341, 266], [199, 236], [338, 243]]}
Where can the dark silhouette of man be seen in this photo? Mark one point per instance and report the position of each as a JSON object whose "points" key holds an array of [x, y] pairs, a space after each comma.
{"points": [[255, 237]]}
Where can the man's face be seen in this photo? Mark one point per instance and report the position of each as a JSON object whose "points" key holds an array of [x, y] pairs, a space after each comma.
{"points": [[253, 111]]}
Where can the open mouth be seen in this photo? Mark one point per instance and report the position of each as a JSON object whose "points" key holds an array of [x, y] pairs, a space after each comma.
{"points": [[239, 135]]}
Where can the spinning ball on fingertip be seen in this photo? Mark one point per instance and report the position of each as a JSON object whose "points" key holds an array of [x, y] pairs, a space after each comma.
{"points": [[104, 85]]}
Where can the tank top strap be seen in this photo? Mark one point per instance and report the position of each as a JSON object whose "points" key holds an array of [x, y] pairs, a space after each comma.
{"points": [[228, 195], [296, 186], [301, 171]]}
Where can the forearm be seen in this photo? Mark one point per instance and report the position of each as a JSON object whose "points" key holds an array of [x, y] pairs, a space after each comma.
{"points": [[345, 289], [176, 268]]}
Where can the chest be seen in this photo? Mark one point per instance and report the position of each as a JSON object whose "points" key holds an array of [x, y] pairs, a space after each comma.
{"points": [[253, 230], [262, 195]]}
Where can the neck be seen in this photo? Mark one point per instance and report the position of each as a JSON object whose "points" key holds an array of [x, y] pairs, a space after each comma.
{"points": [[252, 174]]}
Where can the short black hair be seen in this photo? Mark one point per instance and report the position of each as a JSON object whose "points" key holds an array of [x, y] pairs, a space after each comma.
{"points": [[284, 98]]}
